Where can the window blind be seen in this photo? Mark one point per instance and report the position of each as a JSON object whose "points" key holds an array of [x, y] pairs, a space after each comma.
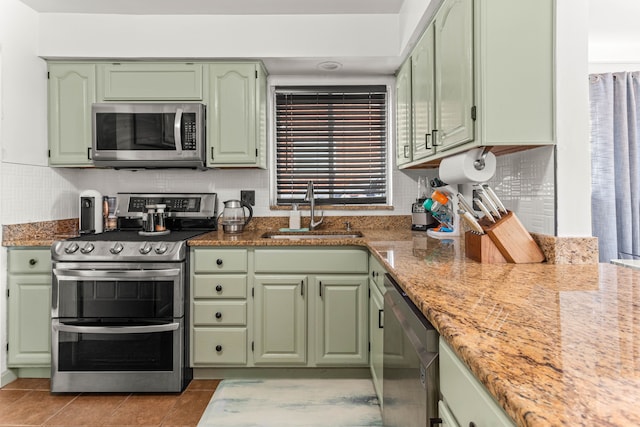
{"points": [[335, 137]]}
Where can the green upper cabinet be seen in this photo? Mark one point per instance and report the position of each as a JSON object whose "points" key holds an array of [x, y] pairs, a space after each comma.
{"points": [[235, 94], [72, 90], [403, 115], [453, 30], [236, 130], [487, 67], [150, 81], [423, 96], [341, 320]]}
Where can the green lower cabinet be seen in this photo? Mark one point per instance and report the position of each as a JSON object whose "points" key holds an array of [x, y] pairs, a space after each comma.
{"points": [[376, 338], [464, 399], [280, 331], [341, 320], [29, 307]]}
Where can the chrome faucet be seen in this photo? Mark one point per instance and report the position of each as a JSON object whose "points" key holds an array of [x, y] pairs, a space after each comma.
{"points": [[310, 197]]}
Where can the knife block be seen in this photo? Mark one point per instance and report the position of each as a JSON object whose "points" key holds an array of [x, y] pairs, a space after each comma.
{"points": [[512, 240], [480, 247]]}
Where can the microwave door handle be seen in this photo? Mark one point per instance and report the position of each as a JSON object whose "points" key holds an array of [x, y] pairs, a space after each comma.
{"points": [[176, 131], [116, 329]]}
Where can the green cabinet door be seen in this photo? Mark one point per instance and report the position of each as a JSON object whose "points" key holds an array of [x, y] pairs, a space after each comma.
{"points": [[29, 320], [454, 73], [423, 95], [280, 329], [29, 307], [403, 115], [150, 81], [341, 320], [233, 122], [376, 337], [72, 90]]}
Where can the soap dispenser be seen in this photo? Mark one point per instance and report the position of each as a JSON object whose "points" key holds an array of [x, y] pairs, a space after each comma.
{"points": [[294, 217]]}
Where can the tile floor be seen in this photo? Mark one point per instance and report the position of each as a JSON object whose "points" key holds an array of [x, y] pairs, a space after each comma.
{"points": [[27, 402]]}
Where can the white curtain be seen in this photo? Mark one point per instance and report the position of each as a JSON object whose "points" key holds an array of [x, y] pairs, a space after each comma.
{"points": [[615, 162]]}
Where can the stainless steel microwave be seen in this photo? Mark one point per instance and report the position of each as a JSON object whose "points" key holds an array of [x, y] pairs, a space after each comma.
{"points": [[144, 135]]}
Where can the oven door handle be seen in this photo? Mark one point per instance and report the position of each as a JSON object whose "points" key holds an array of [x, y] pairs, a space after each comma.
{"points": [[115, 329], [64, 274]]}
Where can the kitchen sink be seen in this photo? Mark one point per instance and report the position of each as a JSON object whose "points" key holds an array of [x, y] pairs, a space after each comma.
{"points": [[312, 235]]}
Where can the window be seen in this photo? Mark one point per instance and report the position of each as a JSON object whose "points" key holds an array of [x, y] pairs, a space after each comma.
{"points": [[334, 136]]}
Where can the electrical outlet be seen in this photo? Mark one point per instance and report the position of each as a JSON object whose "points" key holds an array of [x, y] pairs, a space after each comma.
{"points": [[248, 196]]}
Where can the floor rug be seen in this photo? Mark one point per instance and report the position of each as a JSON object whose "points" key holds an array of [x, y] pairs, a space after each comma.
{"points": [[298, 402]]}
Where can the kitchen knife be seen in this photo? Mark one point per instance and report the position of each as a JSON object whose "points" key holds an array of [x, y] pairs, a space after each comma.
{"points": [[466, 206], [488, 203], [495, 198], [471, 222], [484, 209]]}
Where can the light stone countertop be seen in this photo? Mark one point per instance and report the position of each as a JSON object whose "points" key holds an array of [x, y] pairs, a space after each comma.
{"points": [[555, 344]]}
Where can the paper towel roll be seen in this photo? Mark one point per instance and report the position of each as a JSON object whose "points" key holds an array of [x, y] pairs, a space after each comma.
{"points": [[460, 169]]}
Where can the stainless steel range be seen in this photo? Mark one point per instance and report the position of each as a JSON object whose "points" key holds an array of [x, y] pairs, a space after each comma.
{"points": [[119, 304]]}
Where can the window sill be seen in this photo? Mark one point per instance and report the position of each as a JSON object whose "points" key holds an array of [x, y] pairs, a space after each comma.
{"points": [[336, 208]]}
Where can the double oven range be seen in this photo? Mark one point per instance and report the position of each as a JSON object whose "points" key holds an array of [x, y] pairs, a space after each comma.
{"points": [[120, 300]]}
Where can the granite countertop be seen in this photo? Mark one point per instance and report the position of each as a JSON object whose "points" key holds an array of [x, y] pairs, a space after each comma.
{"points": [[555, 344]]}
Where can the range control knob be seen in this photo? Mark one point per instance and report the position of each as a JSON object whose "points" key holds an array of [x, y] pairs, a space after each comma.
{"points": [[116, 249], [146, 248], [88, 248], [161, 249], [72, 248]]}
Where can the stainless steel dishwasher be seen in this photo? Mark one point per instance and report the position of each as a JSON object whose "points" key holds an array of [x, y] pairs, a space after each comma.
{"points": [[410, 369]]}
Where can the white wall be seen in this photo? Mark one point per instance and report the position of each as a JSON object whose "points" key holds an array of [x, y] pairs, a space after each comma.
{"points": [[210, 36], [573, 176]]}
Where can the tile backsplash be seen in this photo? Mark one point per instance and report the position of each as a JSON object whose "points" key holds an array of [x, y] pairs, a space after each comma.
{"points": [[37, 193], [524, 181]]}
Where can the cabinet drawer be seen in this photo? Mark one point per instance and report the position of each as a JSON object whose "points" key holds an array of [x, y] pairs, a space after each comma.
{"points": [[220, 346], [150, 81], [220, 260], [466, 397], [29, 261], [224, 313], [304, 260], [219, 286]]}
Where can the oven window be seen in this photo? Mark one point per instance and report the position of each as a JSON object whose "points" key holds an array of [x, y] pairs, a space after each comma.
{"points": [[115, 352], [151, 299]]}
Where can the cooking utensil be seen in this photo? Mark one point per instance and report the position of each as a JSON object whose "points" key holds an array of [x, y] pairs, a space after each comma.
{"points": [[465, 205], [471, 222], [495, 198], [488, 203], [484, 209]]}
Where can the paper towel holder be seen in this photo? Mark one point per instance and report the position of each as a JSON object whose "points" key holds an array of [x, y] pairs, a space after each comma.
{"points": [[479, 163]]}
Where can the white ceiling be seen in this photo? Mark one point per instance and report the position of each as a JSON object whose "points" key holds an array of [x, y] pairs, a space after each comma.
{"points": [[217, 7]]}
